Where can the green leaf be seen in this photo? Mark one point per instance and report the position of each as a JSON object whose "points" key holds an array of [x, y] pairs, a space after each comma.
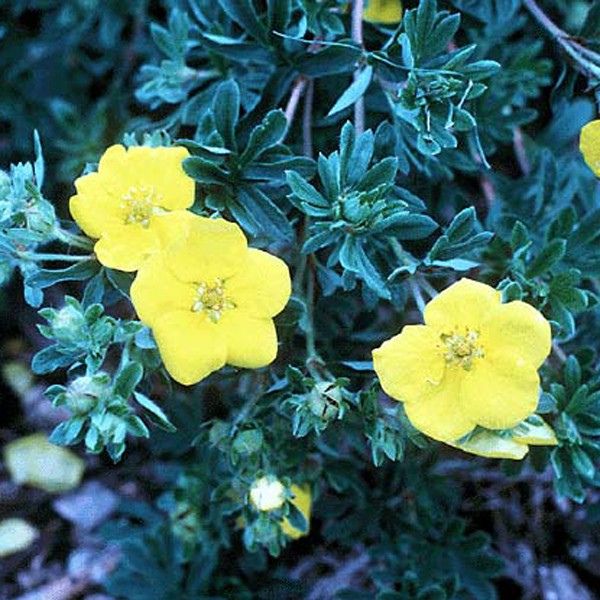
{"points": [[47, 277], [407, 226], [236, 49], [260, 215], [355, 91], [462, 225], [248, 442], [243, 13], [551, 254], [354, 258], [49, 359], [203, 171], [68, 432], [296, 519], [383, 173], [128, 379], [582, 462], [279, 14], [304, 191], [156, 414], [330, 61], [264, 136], [226, 110]]}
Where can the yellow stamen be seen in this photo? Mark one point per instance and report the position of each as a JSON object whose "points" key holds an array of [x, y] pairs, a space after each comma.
{"points": [[462, 350], [139, 204], [212, 300]]}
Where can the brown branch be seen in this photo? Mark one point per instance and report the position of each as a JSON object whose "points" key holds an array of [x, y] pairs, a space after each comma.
{"points": [[295, 95], [307, 140], [520, 152], [585, 59], [357, 36]]}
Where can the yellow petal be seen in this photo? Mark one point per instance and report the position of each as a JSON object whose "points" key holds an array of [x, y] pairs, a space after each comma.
{"points": [[190, 346], [383, 11], [303, 502], [493, 445], [539, 434], [156, 291], [34, 461], [113, 164], [409, 363], [172, 228], [518, 327], [127, 247], [214, 248], [251, 342], [95, 208], [501, 391], [465, 303], [161, 170], [589, 144], [438, 413], [262, 287]]}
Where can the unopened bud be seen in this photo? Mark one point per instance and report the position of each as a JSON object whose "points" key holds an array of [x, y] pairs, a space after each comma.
{"points": [[324, 400], [84, 393]]}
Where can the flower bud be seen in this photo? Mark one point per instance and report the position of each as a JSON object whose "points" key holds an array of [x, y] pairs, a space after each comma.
{"points": [[84, 393], [324, 400], [267, 493], [67, 324]]}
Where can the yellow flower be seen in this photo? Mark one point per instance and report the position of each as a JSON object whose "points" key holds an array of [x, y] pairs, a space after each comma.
{"points": [[210, 301], [473, 363], [126, 205], [302, 500], [589, 144], [383, 11], [514, 446]]}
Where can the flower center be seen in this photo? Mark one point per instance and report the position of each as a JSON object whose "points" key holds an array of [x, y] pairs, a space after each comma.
{"points": [[211, 299], [139, 204], [462, 350]]}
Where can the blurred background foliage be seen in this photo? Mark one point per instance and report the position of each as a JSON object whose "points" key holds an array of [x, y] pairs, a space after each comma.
{"points": [[469, 164]]}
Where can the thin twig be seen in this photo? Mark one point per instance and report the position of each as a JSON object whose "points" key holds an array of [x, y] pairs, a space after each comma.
{"points": [[520, 152], [427, 287], [357, 36], [296, 93], [418, 296], [587, 60], [307, 140], [560, 353]]}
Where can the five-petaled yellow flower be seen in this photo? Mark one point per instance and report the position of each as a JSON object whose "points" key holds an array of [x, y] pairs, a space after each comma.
{"points": [[473, 363], [387, 12], [210, 301], [127, 204], [589, 144]]}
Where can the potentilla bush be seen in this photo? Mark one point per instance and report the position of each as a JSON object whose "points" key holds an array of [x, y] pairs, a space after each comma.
{"points": [[348, 244]]}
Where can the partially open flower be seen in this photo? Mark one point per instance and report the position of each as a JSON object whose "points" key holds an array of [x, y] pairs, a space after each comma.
{"points": [[267, 493], [473, 363]]}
